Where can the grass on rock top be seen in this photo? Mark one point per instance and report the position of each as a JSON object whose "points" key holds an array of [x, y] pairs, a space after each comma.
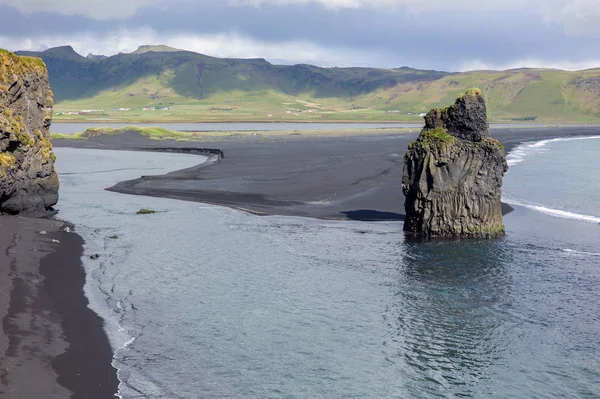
{"points": [[474, 91], [151, 132], [439, 134], [13, 66]]}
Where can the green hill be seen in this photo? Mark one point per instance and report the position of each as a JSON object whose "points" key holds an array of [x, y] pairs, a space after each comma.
{"points": [[176, 85]]}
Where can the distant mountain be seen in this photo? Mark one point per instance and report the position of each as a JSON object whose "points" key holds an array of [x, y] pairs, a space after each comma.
{"points": [[160, 75], [157, 49], [96, 57], [196, 76]]}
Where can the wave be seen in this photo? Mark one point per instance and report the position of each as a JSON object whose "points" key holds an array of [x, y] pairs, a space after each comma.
{"points": [[554, 212], [572, 251], [521, 152]]}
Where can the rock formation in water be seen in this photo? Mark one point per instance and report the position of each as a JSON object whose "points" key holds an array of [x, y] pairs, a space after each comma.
{"points": [[28, 180], [453, 174]]}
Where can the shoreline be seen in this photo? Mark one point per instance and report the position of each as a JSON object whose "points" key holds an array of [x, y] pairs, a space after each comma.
{"points": [[48, 330], [83, 328], [344, 177], [223, 121], [416, 121]]}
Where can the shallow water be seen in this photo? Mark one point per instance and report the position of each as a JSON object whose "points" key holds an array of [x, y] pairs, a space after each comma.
{"points": [[70, 128], [216, 303], [567, 185]]}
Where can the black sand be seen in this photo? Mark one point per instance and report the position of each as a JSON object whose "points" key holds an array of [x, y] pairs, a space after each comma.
{"points": [[52, 345], [354, 177]]}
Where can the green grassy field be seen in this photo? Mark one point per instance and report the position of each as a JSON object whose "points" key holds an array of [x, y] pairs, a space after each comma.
{"points": [[540, 96], [220, 107], [158, 133]]}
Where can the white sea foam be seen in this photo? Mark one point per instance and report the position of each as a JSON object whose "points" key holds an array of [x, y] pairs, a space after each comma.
{"points": [[572, 251], [523, 151], [554, 212], [116, 365], [543, 143]]}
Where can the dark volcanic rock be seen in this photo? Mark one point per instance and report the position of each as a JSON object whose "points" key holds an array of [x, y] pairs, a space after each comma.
{"points": [[466, 119], [28, 181], [453, 174]]}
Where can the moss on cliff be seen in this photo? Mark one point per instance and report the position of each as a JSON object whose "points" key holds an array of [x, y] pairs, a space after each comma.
{"points": [[19, 132], [439, 134], [46, 149], [434, 137], [13, 67], [14, 126], [472, 92], [28, 180], [7, 160]]}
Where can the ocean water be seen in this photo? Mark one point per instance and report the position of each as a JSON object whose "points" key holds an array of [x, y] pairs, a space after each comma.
{"points": [[208, 302], [70, 128], [75, 127]]}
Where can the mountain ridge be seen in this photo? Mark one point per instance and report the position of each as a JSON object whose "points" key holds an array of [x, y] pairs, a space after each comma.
{"points": [[240, 89]]}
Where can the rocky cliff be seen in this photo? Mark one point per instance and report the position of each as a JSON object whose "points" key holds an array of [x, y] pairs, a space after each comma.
{"points": [[453, 174], [28, 180]]}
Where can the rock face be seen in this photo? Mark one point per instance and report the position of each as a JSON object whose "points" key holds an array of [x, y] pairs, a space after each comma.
{"points": [[453, 174], [28, 180]]}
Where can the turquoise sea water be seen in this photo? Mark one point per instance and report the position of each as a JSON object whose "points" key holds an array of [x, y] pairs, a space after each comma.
{"points": [[208, 302]]}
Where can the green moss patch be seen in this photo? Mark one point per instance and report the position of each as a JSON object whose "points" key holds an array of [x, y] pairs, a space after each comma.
{"points": [[145, 212], [61, 136], [13, 67], [439, 134], [157, 133], [475, 91], [7, 161]]}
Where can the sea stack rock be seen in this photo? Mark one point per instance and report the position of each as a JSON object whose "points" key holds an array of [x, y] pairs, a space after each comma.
{"points": [[28, 180], [453, 174]]}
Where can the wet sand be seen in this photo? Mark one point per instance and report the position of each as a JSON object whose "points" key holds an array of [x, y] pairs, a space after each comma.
{"points": [[51, 345], [354, 177]]}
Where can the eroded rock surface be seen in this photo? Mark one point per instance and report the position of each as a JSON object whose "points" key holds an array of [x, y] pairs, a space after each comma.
{"points": [[453, 174], [28, 180]]}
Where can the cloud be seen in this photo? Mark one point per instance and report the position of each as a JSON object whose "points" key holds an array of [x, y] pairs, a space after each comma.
{"points": [[223, 45], [235, 45], [95, 9], [566, 65], [434, 34], [577, 17], [412, 5]]}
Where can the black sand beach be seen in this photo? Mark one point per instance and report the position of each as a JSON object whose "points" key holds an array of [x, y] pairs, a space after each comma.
{"points": [[354, 177], [52, 345]]}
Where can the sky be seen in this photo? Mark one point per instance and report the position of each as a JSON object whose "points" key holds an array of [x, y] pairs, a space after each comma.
{"points": [[449, 35]]}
